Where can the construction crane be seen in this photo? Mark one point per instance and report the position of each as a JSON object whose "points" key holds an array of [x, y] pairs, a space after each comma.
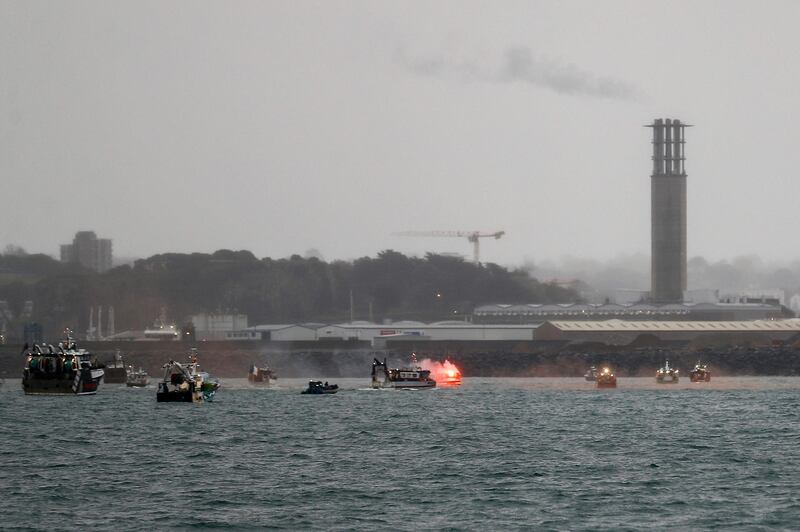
{"points": [[471, 236]]}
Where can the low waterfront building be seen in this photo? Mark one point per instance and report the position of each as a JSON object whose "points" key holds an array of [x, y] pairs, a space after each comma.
{"points": [[376, 335], [540, 313], [219, 326], [625, 332]]}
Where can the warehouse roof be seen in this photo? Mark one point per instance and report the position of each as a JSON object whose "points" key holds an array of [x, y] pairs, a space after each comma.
{"points": [[450, 324], [699, 326], [611, 308]]}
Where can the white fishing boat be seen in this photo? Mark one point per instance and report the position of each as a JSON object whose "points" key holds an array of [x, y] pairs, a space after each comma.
{"points": [[409, 378], [136, 379]]}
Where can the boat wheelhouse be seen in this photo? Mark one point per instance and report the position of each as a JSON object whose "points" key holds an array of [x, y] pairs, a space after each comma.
{"points": [[591, 374]]}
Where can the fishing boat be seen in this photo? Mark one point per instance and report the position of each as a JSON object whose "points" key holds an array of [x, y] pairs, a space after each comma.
{"points": [[591, 374], [186, 383], [606, 378], [261, 375], [136, 379], [115, 372], [60, 370], [667, 374], [410, 378], [161, 330], [700, 373], [318, 388]]}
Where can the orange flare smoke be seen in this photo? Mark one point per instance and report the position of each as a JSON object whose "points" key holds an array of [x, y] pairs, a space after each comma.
{"points": [[444, 373]]}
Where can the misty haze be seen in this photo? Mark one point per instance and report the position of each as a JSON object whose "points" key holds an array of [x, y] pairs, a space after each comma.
{"points": [[411, 265]]}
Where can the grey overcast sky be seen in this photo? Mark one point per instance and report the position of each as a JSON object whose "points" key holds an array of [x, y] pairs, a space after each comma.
{"points": [[283, 126]]}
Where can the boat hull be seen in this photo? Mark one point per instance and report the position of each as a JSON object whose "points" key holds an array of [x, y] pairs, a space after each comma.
{"points": [[185, 396], [405, 385], [611, 384], [114, 375], [83, 382], [260, 381]]}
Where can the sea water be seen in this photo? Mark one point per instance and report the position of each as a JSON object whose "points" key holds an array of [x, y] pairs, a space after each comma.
{"points": [[490, 454]]}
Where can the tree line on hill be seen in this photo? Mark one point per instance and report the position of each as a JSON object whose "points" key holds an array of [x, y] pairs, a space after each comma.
{"points": [[289, 290]]}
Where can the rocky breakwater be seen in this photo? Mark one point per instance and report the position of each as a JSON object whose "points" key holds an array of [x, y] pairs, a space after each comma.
{"points": [[233, 359]]}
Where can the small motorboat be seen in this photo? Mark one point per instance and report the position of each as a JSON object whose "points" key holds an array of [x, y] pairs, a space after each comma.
{"points": [[667, 374], [700, 373], [591, 374], [606, 378], [318, 388]]}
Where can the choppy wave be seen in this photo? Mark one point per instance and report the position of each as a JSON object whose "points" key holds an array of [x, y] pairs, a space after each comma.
{"points": [[491, 454]]}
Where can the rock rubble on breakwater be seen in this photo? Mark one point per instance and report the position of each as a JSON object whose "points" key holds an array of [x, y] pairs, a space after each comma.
{"points": [[232, 359]]}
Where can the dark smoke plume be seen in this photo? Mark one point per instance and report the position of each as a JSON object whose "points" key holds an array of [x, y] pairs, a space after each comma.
{"points": [[520, 65]]}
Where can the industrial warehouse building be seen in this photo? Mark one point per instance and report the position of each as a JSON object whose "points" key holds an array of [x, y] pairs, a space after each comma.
{"points": [[610, 332], [540, 313], [377, 334], [619, 332]]}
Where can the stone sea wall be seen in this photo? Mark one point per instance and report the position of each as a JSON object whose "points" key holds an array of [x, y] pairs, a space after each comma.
{"points": [[526, 359]]}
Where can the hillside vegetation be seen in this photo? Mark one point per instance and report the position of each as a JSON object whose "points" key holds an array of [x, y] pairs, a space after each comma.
{"points": [[388, 286]]}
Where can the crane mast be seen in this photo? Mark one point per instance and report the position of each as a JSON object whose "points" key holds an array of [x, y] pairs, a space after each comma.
{"points": [[472, 236]]}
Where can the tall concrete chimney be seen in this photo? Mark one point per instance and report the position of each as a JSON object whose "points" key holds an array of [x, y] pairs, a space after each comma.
{"points": [[668, 212]]}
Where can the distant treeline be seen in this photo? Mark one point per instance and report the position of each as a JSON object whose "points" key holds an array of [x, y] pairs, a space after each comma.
{"points": [[289, 290]]}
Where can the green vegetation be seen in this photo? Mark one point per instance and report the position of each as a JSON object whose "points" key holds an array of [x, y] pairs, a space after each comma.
{"points": [[289, 290]]}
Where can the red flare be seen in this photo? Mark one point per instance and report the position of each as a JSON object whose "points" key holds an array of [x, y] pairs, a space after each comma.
{"points": [[444, 373]]}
